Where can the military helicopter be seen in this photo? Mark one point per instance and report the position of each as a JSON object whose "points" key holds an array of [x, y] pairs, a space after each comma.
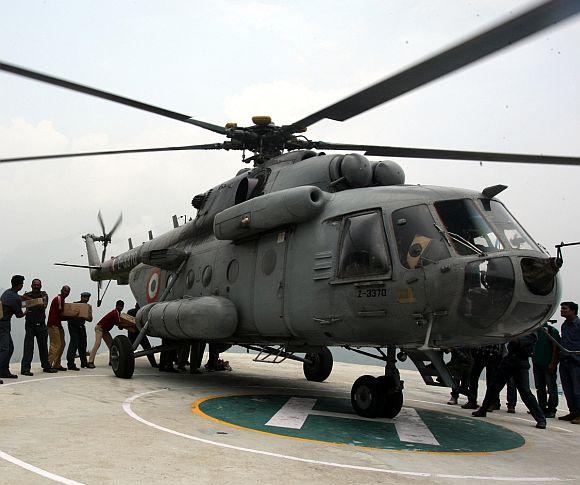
{"points": [[307, 250]]}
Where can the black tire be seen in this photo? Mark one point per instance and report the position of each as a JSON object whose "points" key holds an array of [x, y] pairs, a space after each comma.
{"points": [[321, 366], [390, 401], [365, 397], [122, 357]]}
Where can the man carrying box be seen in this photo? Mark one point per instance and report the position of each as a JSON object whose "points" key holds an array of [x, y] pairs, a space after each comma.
{"points": [[78, 335], [55, 330], [103, 328], [11, 305], [35, 327]]}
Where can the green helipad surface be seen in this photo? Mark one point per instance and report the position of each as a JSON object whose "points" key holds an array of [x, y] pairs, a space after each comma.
{"points": [[332, 420]]}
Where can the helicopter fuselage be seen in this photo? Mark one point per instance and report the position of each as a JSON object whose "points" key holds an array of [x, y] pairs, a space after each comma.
{"points": [[377, 265]]}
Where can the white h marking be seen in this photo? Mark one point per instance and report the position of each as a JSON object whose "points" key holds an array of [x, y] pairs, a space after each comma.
{"points": [[408, 424]]}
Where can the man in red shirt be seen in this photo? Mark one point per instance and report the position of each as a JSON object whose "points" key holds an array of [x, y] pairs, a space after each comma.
{"points": [[103, 329], [55, 330]]}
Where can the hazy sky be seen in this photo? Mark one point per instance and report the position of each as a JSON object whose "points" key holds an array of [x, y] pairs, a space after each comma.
{"points": [[225, 61]]}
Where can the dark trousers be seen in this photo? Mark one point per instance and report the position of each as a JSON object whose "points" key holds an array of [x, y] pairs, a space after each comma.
{"points": [[6, 350], [196, 355], [519, 371], [77, 343], [489, 363], [167, 357], [214, 355], [570, 377], [546, 385], [462, 389], [40, 331], [145, 344], [512, 393]]}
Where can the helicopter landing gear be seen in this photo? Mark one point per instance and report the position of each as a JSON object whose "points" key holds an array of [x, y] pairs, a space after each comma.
{"points": [[373, 397], [319, 366], [122, 357]]}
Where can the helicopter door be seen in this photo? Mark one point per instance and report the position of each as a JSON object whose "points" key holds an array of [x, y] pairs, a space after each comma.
{"points": [[269, 285], [419, 245], [361, 289]]}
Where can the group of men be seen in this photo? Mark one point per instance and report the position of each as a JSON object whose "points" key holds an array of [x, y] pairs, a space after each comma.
{"points": [[48, 330], [510, 364]]}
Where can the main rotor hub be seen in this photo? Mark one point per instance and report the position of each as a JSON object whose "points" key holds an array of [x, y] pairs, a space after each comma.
{"points": [[265, 139]]}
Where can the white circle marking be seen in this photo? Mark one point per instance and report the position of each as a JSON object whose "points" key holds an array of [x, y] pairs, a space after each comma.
{"points": [[127, 408]]}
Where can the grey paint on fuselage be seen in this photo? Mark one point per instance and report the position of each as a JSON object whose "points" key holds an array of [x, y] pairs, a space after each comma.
{"points": [[285, 287]]}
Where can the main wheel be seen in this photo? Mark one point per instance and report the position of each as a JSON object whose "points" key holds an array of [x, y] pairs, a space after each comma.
{"points": [[320, 367], [122, 357], [365, 397], [391, 401]]}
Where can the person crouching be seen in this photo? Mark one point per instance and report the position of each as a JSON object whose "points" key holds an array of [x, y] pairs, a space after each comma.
{"points": [[103, 329]]}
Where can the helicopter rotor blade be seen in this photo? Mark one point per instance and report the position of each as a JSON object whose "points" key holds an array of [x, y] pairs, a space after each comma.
{"points": [[448, 61], [104, 252], [63, 83], [99, 286], [404, 152], [116, 225], [101, 222], [210, 146]]}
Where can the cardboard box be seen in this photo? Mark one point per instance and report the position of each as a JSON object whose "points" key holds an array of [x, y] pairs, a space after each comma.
{"points": [[34, 302], [77, 310], [126, 321]]}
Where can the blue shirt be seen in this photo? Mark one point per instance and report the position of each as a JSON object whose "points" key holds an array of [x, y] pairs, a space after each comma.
{"points": [[11, 305], [571, 338]]}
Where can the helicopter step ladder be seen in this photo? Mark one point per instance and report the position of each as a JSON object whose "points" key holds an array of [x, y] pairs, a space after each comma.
{"points": [[432, 367]]}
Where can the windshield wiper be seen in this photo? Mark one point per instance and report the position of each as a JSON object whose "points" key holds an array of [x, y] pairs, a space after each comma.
{"points": [[464, 242]]}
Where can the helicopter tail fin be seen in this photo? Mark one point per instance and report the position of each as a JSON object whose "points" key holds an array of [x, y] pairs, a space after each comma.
{"points": [[93, 255]]}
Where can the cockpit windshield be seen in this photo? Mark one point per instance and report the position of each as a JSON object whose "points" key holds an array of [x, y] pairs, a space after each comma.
{"points": [[506, 224], [418, 240], [469, 231]]}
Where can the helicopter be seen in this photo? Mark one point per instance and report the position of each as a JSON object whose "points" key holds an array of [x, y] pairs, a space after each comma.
{"points": [[306, 250]]}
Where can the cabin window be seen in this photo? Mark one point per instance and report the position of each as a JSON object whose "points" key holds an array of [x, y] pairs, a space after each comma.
{"points": [[418, 240], [506, 225], [468, 230], [363, 248]]}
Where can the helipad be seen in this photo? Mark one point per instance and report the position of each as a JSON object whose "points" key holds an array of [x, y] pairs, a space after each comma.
{"points": [[258, 424], [331, 420]]}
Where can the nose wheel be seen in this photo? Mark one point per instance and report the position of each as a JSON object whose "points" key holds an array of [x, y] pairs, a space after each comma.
{"points": [[376, 397], [379, 397]]}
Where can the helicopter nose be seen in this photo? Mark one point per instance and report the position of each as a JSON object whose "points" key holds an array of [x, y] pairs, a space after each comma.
{"points": [[488, 291], [539, 274]]}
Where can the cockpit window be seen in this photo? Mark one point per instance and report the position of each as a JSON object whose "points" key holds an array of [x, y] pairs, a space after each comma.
{"points": [[418, 241], [363, 250], [469, 231], [506, 224]]}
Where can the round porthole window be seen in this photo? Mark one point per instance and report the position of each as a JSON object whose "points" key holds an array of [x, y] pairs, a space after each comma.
{"points": [[206, 276], [233, 270], [190, 278]]}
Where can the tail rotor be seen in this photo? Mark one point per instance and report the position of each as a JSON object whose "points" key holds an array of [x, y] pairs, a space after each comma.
{"points": [[105, 239]]}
